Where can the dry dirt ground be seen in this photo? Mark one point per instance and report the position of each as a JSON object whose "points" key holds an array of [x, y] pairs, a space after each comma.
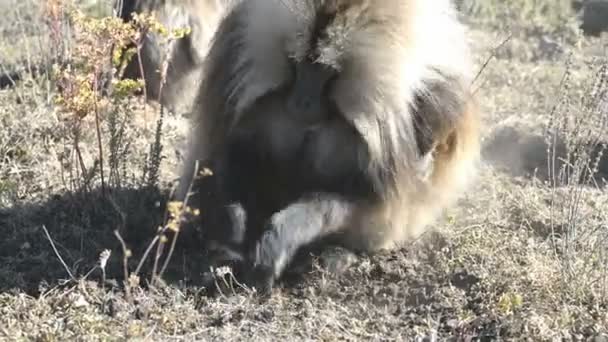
{"points": [[520, 258]]}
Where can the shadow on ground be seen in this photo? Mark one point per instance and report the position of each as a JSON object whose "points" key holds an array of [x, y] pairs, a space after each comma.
{"points": [[82, 225]]}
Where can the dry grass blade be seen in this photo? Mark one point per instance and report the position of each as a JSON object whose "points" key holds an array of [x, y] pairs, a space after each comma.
{"points": [[65, 266]]}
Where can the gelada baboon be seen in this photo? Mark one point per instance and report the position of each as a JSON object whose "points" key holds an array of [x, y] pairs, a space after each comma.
{"points": [[347, 120], [185, 55]]}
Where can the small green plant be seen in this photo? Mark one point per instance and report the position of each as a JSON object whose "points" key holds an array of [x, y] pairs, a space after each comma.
{"points": [[509, 302]]}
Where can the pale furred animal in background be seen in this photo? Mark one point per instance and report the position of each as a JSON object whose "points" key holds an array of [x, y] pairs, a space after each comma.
{"points": [[185, 56]]}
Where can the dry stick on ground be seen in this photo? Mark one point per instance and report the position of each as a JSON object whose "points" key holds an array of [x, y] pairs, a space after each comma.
{"points": [[48, 236]]}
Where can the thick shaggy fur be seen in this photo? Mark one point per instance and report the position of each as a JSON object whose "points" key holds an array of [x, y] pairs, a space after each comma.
{"points": [[185, 56], [402, 84]]}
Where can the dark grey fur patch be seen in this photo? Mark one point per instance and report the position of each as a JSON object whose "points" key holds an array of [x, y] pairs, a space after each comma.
{"points": [[436, 110]]}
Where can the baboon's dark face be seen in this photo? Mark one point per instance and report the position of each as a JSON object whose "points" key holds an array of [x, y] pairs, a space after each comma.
{"points": [[308, 98], [332, 39], [324, 29], [317, 60], [297, 131]]}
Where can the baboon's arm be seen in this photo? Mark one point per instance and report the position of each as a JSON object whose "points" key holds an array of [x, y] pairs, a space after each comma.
{"points": [[306, 221]]}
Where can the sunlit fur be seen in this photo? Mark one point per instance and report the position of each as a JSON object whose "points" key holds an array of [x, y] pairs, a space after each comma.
{"points": [[390, 54], [185, 56]]}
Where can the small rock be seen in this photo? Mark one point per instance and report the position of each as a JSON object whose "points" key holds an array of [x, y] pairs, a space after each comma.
{"points": [[80, 302], [599, 338], [452, 323]]}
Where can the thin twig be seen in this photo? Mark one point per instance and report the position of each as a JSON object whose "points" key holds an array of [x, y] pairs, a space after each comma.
{"points": [[83, 168], [125, 265], [159, 252], [48, 236], [142, 73], [492, 55], [98, 131], [149, 335], [89, 273], [145, 256], [172, 248]]}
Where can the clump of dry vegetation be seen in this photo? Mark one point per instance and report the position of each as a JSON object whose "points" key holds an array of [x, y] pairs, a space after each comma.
{"points": [[543, 13], [90, 249], [102, 175]]}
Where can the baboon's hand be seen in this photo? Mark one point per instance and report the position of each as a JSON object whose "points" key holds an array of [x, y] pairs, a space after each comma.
{"points": [[261, 277], [264, 262]]}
